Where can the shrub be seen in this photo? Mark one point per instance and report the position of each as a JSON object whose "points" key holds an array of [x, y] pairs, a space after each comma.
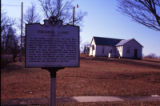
{"points": [[151, 56], [5, 59]]}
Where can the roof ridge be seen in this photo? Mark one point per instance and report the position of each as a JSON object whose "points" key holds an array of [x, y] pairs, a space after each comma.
{"points": [[106, 41], [122, 42], [108, 38]]}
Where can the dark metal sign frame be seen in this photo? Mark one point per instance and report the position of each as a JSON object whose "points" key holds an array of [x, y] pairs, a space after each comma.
{"points": [[52, 46]]}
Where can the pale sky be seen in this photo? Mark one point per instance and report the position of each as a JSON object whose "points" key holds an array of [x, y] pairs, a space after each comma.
{"points": [[102, 20]]}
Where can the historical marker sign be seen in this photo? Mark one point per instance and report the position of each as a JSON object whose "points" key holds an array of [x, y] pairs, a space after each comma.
{"points": [[52, 45]]}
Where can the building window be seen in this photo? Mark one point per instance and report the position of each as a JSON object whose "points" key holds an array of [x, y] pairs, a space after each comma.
{"points": [[103, 50], [111, 51], [128, 50], [93, 47]]}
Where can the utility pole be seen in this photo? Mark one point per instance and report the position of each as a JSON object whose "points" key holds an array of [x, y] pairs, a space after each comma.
{"points": [[74, 14], [21, 22], [21, 29]]}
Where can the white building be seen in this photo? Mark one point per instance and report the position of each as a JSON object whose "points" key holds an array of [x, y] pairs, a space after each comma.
{"points": [[111, 47]]}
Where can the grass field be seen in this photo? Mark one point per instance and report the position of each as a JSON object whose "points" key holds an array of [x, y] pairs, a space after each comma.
{"points": [[95, 77]]}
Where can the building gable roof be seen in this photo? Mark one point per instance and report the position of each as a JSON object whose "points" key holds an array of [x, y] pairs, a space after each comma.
{"points": [[106, 41], [123, 42]]}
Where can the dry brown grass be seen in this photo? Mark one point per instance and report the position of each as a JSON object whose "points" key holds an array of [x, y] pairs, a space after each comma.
{"points": [[102, 77], [113, 104]]}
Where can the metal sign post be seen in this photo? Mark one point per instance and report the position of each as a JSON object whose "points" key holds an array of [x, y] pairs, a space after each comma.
{"points": [[53, 88], [53, 84]]}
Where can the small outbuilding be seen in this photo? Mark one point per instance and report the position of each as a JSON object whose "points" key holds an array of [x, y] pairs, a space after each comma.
{"points": [[117, 48]]}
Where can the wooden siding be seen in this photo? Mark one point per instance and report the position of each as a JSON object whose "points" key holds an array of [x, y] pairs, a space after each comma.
{"points": [[131, 49]]}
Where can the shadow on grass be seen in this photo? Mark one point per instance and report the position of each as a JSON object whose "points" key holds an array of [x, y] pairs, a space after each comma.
{"points": [[125, 61], [35, 101], [154, 61], [80, 99], [13, 67]]}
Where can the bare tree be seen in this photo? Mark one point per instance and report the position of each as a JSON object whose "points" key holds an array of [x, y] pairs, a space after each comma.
{"points": [[86, 49], [60, 10], [145, 12], [31, 16], [12, 43], [151, 55], [9, 42], [6, 23]]}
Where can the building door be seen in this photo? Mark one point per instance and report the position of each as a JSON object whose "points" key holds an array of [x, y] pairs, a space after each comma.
{"points": [[135, 53]]}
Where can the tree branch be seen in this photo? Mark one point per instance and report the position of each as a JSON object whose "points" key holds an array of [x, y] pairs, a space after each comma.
{"points": [[144, 12]]}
